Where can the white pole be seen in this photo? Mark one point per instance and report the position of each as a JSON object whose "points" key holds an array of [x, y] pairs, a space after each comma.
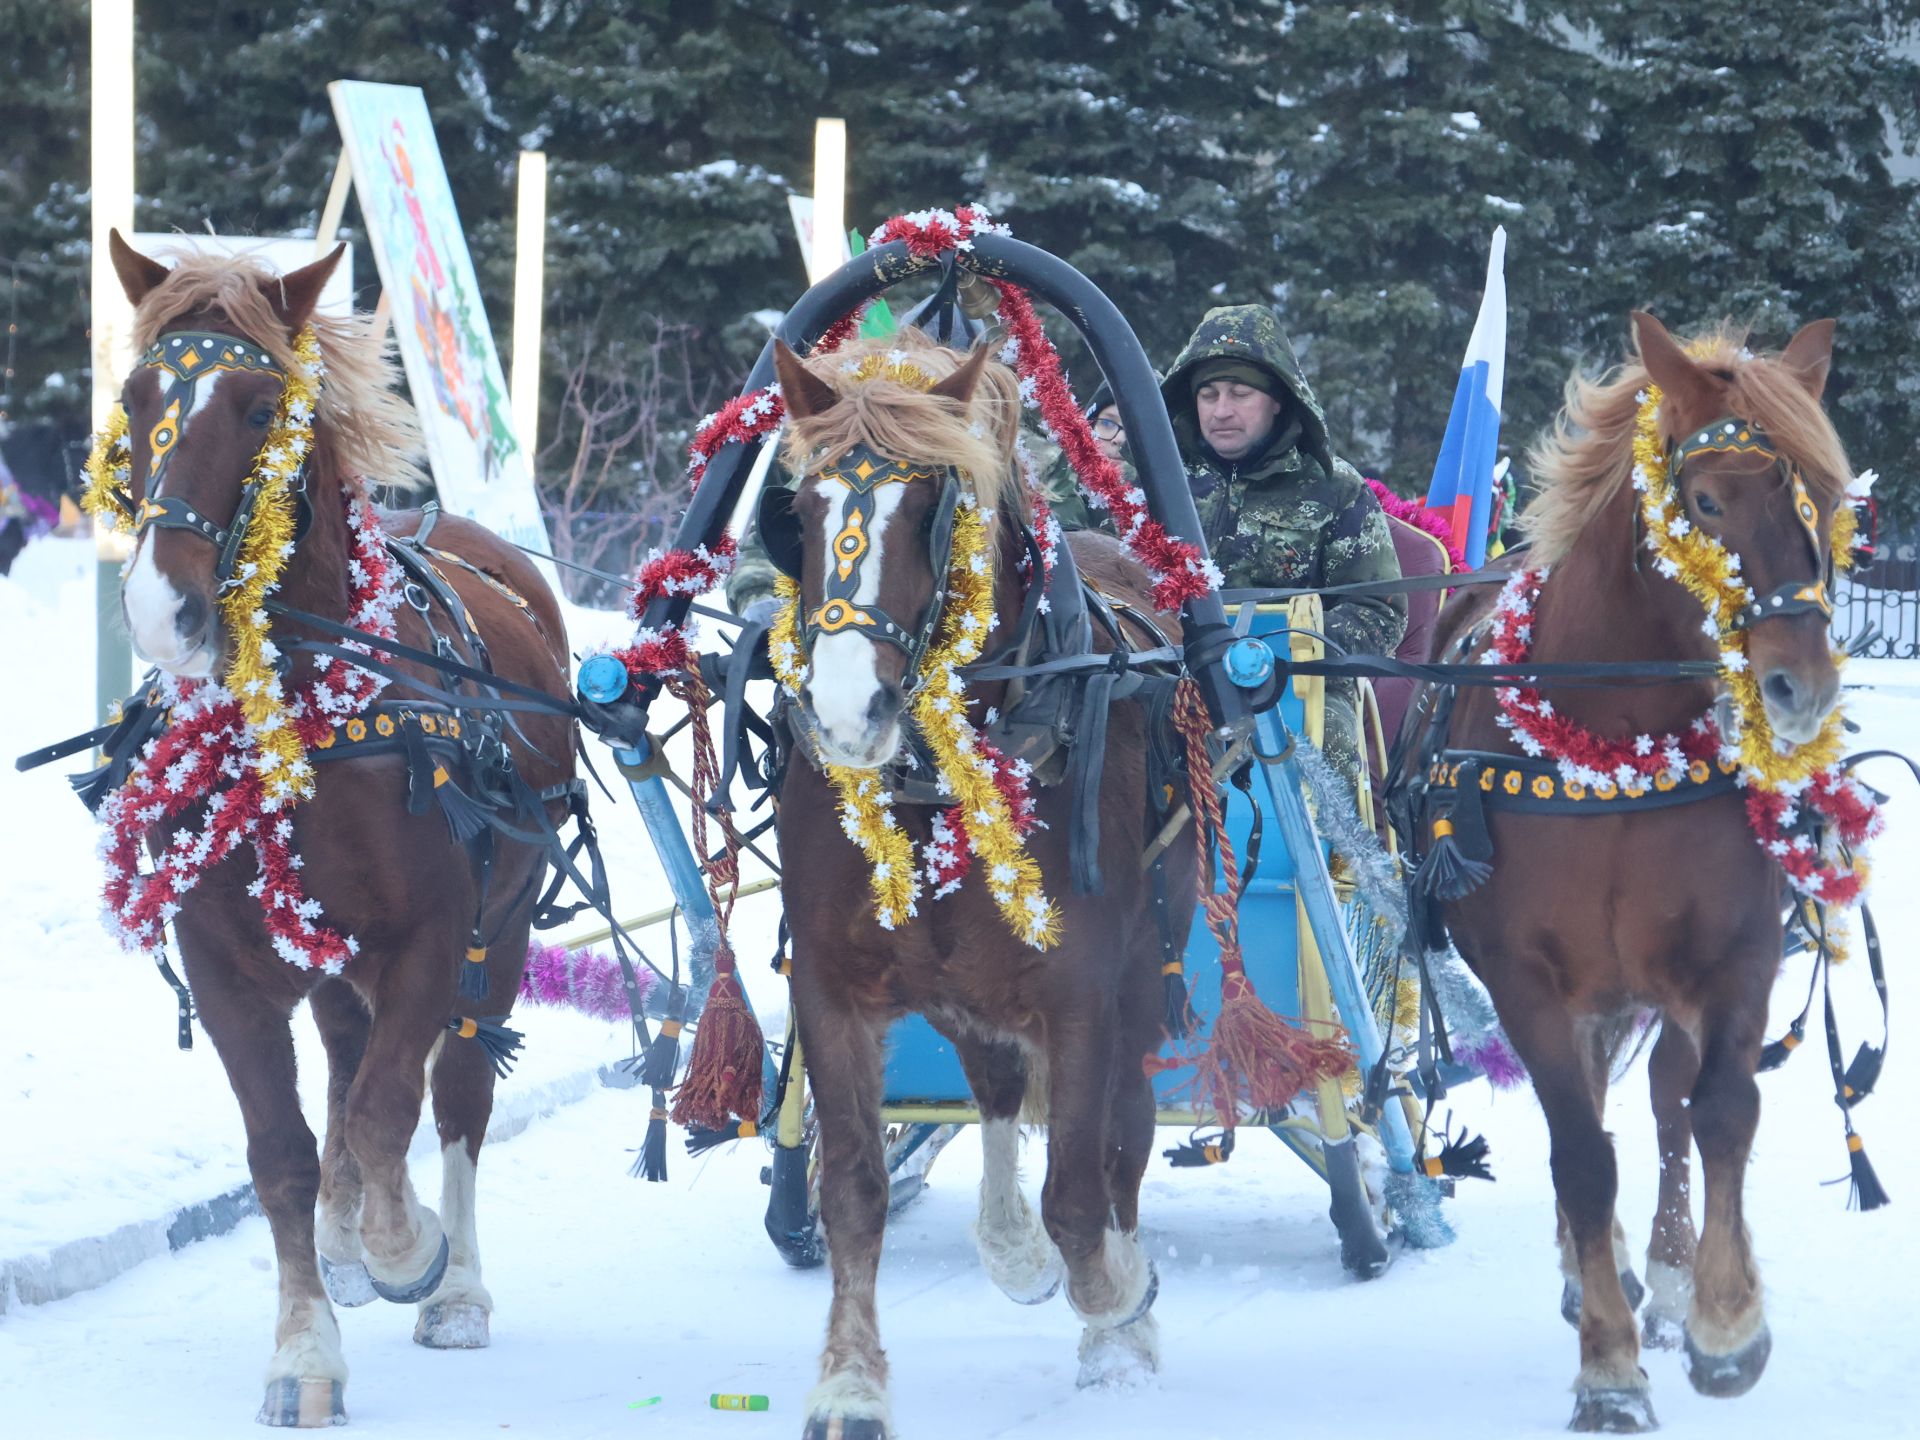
{"points": [[112, 153], [829, 197], [111, 144], [529, 284]]}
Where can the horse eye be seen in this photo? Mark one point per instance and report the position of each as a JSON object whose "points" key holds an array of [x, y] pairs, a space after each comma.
{"points": [[1708, 505], [261, 417]]}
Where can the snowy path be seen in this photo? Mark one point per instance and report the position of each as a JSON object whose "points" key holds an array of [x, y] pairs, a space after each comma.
{"points": [[611, 1291]]}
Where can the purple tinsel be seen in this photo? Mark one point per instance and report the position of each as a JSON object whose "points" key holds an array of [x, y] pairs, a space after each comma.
{"points": [[579, 980], [1494, 1058]]}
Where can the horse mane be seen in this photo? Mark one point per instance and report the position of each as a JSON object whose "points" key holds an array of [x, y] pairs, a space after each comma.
{"points": [[374, 431], [897, 419], [1585, 460]]}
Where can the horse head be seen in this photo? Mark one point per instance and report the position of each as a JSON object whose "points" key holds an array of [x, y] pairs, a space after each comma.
{"points": [[867, 534], [1755, 464], [200, 405]]}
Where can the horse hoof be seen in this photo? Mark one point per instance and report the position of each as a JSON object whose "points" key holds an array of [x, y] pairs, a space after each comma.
{"points": [[1631, 1287], [452, 1325], [1571, 1297], [1572, 1294], [1043, 1288], [1119, 1357], [1662, 1332], [419, 1289], [303, 1404], [1599, 1411], [348, 1283], [1724, 1376], [845, 1427]]}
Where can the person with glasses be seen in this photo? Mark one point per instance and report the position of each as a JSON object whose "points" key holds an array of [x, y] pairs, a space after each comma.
{"points": [[1278, 507]]}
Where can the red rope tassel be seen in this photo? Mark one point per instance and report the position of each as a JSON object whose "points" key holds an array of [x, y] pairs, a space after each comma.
{"points": [[1252, 1056], [723, 1081]]}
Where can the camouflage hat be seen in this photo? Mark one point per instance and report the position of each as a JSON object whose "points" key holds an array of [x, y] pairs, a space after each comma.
{"points": [[1250, 334], [1247, 372]]}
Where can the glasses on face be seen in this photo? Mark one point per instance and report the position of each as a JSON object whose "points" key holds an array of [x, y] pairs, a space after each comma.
{"points": [[1107, 428]]}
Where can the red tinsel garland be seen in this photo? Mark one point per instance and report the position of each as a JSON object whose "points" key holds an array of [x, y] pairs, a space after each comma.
{"points": [[949, 854], [205, 757], [1784, 824]]}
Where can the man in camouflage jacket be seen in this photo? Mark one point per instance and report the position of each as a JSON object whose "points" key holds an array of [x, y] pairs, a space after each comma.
{"points": [[1277, 506]]}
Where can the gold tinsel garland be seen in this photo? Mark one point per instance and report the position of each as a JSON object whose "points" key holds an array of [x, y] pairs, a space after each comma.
{"points": [[1686, 553], [285, 772], [940, 712]]}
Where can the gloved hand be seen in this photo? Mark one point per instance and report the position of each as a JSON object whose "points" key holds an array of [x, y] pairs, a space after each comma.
{"points": [[621, 722], [761, 610]]}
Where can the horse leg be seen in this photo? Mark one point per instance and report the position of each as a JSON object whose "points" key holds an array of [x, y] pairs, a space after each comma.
{"points": [[1611, 1390], [343, 1023], [1671, 1072], [1014, 1247], [1112, 1355], [844, 1064], [1727, 1340], [1599, 1061], [307, 1376], [406, 1248], [1110, 1281]]}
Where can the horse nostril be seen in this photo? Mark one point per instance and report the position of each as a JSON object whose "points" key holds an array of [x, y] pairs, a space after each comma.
{"points": [[885, 704], [1781, 690], [191, 618]]}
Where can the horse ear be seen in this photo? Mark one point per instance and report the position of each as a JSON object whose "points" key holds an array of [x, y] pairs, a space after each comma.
{"points": [[1691, 390], [1810, 355], [805, 393], [295, 294], [138, 273], [960, 384]]}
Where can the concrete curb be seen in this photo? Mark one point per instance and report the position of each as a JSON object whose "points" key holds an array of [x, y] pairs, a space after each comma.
{"points": [[78, 1265]]}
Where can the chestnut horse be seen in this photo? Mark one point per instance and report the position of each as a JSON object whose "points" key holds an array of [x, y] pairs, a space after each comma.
{"points": [[1066, 1031], [1674, 909], [395, 880]]}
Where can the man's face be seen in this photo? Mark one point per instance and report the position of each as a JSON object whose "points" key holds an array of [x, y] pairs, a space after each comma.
{"points": [[1234, 416]]}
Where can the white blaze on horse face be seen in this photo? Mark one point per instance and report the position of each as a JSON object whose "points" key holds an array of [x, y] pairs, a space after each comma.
{"points": [[151, 601], [844, 672]]}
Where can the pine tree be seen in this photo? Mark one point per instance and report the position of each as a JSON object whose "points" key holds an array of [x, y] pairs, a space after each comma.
{"points": [[43, 215], [1399, 144], [1742, 171]]}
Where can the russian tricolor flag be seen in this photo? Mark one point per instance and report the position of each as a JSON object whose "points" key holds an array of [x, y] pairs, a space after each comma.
{"points": [[1462, 488]]}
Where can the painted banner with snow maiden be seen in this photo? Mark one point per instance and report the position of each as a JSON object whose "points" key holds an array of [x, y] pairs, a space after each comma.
{"points": [[439, 317]]}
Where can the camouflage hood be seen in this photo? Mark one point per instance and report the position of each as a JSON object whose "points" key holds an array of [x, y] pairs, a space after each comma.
{"points": [[1249, 333]]}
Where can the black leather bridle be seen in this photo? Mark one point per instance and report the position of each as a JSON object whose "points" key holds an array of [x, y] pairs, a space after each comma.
{"points": [[185, 359], [1730, 435], [863, 471]]}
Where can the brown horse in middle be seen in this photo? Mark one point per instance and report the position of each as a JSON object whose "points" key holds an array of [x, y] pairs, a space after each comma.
{"points": [[1065, 1032]]}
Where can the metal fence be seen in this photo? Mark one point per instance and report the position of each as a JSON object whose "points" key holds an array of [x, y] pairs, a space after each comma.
{"points": [[1876, 609]]}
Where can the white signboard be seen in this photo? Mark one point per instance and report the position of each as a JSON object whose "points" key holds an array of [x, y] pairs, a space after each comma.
{"points": [[438, 315]]}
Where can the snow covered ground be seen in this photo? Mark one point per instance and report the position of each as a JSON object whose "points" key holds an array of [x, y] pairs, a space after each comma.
{"points": [[611, 1292]]}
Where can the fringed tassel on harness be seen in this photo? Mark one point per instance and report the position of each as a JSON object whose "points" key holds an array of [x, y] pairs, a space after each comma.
{"points": [[1462, 1157], [473, 971], [662, 1060], [501, 1044], [1460, 850], [1178, 1015], [466, 816], [1775, 1053], [1865, 1191], [1196, 1152], [1252, 1055], [699, 1140], [652, 1164], [724, 1079]]}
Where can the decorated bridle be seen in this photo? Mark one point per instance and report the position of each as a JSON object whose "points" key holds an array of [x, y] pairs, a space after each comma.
{"points": [[863, 471], [186, 359], [1730, 435]]}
